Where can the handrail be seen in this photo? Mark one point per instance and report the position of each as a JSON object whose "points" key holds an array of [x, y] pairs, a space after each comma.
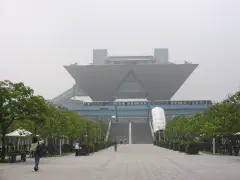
{"points": [[108, 131], [151, 127]]}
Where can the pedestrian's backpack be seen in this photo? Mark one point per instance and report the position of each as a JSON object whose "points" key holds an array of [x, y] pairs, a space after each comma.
{"points": [[39, 150]]}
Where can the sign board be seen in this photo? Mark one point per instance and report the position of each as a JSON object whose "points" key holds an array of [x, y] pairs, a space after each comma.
{"points": [[103, 109]]}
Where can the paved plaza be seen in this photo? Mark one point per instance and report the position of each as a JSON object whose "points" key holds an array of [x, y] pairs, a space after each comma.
{"points": [[131, 162]]}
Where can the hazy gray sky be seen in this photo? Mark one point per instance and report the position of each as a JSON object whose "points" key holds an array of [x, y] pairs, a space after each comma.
{"points": [[38, 37]]}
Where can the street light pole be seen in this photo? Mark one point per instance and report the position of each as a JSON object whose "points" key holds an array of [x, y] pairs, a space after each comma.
{"points": [[159, 134], [164, 135], [85, 117], [148, 113], [100, 128], [116, 111]]}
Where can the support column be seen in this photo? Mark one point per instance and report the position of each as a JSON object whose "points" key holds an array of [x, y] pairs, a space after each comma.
{"points": [[130, 133], [159, 135]]}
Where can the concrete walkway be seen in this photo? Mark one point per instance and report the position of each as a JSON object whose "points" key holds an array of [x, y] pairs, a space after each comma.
{"points": [[131, 162]]}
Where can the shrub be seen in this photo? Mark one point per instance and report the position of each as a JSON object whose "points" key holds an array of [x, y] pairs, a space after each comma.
{"points": [[66, 148]]}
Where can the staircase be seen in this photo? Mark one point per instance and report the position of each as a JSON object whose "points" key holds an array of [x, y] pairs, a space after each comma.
{"points": [[141, 133], [119, 130]]}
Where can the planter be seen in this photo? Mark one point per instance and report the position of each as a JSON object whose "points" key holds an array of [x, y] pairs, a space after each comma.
{"points": [[102, 146], [162, 144], [182, 147], [176, 146], [192, 149], [13, 157], [52, 150], [109, 144], [66, 148], [84, 150]]}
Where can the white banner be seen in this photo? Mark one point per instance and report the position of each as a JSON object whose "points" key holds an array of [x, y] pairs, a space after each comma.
{"points": [[159, 119]]}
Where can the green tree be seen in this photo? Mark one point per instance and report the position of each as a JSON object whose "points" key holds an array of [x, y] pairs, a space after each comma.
{"points": [[193, 126], [234, 99], [14, 104], [221, 119], [181, 127], [171, 129], [38, 112]]}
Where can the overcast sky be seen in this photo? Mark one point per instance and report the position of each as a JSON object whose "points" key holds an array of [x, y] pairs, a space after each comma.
{"points": [[38, 37]]}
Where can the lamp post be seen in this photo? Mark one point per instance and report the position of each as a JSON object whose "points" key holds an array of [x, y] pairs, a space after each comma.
{"points": [[164, 135], [214, 145], [100, 127], [85, 118], [148, 113], [116, 112]]}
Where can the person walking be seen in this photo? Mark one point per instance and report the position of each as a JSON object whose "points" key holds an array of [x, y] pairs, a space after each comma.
{"points": [[115, 144], [236, 149], [36, 147], [77, 147]]}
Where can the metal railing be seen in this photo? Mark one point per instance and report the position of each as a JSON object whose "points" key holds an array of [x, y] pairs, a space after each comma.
{"points": [[151, 128], [108, 131], [133, 103]]}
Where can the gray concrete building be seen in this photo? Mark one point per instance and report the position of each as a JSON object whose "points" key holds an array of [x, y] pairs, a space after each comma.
{"points": [[108, 78]]}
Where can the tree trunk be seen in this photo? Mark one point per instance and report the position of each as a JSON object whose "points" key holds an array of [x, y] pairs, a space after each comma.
{"points": [[3, 144]]}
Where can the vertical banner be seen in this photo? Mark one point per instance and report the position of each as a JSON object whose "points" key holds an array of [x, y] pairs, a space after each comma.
{"points": [[159, 119]]}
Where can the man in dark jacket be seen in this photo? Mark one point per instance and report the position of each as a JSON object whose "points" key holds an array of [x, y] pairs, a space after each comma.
{"points": [[115, 144]]}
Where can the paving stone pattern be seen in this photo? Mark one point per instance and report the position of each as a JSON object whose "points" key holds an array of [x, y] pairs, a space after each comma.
{"points": [[131, 162]]}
